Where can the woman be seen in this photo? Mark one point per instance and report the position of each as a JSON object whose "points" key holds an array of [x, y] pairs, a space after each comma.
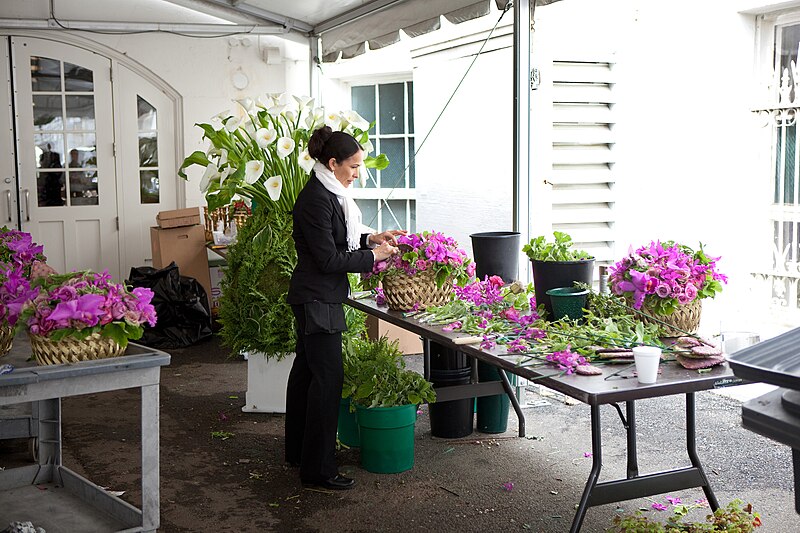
{"points": [[327, 236]]}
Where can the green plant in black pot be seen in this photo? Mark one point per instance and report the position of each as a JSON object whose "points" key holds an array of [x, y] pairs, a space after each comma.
{"points": [[557, 264]]}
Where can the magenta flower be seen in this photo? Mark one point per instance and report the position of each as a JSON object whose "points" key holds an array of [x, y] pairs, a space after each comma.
{"points": [[508, 486], [567, 360], [659, 506], [673, 500]]}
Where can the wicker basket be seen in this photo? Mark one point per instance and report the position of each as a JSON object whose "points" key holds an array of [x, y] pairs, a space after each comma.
{"points": [[6, 338], [402, 292], [686, 319], [69, 350]]}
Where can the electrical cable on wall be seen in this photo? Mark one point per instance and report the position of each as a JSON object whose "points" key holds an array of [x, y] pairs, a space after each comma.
{"points": [[413, 157]]}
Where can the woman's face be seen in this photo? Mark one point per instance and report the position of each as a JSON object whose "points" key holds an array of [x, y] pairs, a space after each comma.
{"points": [[347, 171]]}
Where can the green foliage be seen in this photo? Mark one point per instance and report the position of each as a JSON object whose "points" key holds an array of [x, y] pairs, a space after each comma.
{"points": [[254, 313], [735, 518], [356, 320], [560, 250], [375, 375]]}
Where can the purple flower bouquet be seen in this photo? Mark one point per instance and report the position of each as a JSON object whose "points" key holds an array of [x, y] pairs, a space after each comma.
{"points": [[18, 253], [664, 277], [83, 305], [426, 267]]}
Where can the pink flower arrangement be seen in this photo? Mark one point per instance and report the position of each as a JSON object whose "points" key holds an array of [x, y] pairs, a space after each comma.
{"points": [[18, 253], [664, 276], [82, 303], [420, 252]]}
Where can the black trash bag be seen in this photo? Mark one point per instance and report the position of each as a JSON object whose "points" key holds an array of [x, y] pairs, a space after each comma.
{"points": [[184, 317]]}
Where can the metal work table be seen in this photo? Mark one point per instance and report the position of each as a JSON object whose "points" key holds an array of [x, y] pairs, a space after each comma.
{"points": [[51, 495], [605, 389]]}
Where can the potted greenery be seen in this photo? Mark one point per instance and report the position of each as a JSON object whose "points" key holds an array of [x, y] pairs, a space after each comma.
{"points": [[385, 396], [259, 152], [735, 517], [347, 430], [557, 264]]}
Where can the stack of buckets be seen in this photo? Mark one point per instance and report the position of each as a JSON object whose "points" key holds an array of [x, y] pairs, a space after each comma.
{"points": [[496, 254]]}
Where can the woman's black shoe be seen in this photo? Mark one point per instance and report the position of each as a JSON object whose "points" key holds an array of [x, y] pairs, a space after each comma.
{"points": [[339, 482]]}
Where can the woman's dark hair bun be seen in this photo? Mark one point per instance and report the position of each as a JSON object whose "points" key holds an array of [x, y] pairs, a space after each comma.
{"points": [[317, 142]]}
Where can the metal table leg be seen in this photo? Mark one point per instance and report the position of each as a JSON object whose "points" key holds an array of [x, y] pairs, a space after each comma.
{"points": [[150, 458], [512, 396], [630, 427], [594, 474], [691, 448]]}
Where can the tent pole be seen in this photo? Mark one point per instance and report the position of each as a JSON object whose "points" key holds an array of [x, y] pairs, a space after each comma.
{"points": [[522, 97]]}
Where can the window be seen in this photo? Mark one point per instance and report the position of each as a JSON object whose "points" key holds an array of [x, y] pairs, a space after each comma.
{"points": [[149, 186], [388, 201], [64, 123]]}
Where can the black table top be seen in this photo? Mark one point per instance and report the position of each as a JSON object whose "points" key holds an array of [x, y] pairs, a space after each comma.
{"points": [[775, 361], [26, 371], [593, 390]]}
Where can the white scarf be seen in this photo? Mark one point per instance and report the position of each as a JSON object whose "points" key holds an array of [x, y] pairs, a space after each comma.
{"points": [[352, 214]]}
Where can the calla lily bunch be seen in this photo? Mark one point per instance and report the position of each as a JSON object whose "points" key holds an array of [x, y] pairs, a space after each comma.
{"points": [[260, 150]]}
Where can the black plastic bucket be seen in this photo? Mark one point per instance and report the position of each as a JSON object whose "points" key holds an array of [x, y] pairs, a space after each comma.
{"points": [[453, 419], [553, 274], [496, 254], [443, 358]]}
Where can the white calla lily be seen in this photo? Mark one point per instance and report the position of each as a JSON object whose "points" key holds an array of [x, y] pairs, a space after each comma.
{"points": [[223, 157], [274, 186], [356, 120], [224, 174], [368, 147], [285, 146], [248, 127], [290, 115], [276, 110], [265, 101], [265, 137], [304, 101], [247, 104], [333, 120], [305, 161], [219, 117], [211, 173], [233, 123], [253, 171]]}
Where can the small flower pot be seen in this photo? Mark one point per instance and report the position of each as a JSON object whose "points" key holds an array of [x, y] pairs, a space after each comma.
{"points": [[568, 302], [553, 274]]}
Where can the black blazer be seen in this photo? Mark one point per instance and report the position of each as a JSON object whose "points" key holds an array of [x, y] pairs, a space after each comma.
{"points": [[320, 237]]}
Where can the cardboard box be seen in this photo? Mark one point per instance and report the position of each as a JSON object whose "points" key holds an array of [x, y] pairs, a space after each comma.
{"points": [[186, 246], [178, 218], [410, 343]]}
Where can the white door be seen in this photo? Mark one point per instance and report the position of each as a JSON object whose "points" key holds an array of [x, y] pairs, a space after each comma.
{"points": [[8, 171], [65, 142], [146, 162]]}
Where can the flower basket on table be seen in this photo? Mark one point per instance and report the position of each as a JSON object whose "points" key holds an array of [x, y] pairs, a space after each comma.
{"points": [[19, 257], [666, 283], [82, 316], [422, 274]]}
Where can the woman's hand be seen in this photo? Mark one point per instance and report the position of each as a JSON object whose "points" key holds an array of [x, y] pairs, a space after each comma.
{"points": [[387, 236], [384, 251]]}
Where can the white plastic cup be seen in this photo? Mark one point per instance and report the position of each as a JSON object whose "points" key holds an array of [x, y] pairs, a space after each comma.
{"points": [[647, 359]]}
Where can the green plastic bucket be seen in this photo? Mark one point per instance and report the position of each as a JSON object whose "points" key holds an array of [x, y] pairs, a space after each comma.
{"points": [[492, 415], [568, 302], [387, 438], [348, 426]]}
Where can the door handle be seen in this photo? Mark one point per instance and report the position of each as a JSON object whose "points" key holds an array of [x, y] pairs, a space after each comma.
{"points": [[27, 205], [8, 203]]}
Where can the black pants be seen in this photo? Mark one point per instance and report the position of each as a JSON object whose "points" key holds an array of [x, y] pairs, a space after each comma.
{"points": [[312, 402]]}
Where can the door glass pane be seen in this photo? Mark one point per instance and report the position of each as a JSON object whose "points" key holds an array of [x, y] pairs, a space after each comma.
{"points": [[363, 101], [395, 216], [77, 78], [369, 212], [80, 112], [50, 189], [412, 178], [84, 145], [47, 112], [49, 149], [392, 176], [45, 74], [410, 86], [392, 119], [83, 188], [146, 114], [148, 150], [149, 186]]}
